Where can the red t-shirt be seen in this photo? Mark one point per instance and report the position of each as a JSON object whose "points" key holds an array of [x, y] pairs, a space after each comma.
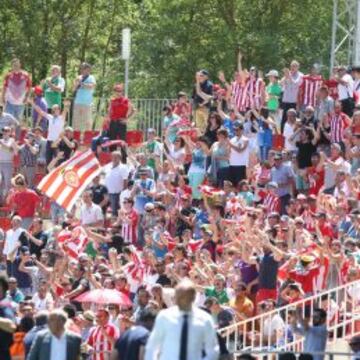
{"points": [[306, 279], [316, 179], [25, 202], [118, 108]]}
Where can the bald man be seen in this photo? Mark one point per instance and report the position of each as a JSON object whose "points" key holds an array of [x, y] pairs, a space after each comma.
{"points": [[183, 332]]}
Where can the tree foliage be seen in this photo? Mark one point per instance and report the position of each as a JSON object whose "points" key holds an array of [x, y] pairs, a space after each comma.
{"points": [[171, 39]]}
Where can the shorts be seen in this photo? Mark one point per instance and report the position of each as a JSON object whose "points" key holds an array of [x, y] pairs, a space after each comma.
{"points": [[82, 117]]}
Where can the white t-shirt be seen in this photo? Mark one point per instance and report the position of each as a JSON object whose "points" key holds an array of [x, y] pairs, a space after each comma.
{"points": [[11, 240], [91, 215], [115, 177], [288, 132], [56, 127], [346, 91], [239, 158]]}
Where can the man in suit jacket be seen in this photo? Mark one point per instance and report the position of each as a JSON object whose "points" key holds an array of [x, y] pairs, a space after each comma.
{"points": [[56, 343]]}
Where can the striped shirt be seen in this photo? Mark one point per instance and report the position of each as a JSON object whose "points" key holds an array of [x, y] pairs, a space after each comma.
{"points": [[239, 95], [255, 90], [338, 124], [129, 227], [102, 345], [309, 88]]}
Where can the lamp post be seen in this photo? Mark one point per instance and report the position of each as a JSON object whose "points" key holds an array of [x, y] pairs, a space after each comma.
{"points": [[125, 54]]}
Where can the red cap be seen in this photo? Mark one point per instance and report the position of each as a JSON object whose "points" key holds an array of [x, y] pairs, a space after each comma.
{"points": [[38, 90]]}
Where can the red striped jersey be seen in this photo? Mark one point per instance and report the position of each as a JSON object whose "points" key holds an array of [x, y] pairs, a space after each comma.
{"points": [[309, 88], [338, 123], [129, 227], [255, 89], [101, 344], [270, 201], [240, 94]]}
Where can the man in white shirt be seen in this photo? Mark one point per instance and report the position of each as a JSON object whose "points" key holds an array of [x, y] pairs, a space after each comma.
{"points": [[43, 299], [239, 154], [289, 130], [183, 332], [90, 213], [290, 84], [56, 343], [14, 239], [57, 120], [116, 175], [345, 89]]}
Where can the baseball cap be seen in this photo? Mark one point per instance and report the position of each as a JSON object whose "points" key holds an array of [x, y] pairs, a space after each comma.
{"points": [[238, 124], [151, 130], [272, 184], [38, 90], [273, 73]]}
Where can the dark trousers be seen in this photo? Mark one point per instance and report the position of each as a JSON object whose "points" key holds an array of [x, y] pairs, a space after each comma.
{"points": [[117, 130], [286, 107], [50, 152], [236, 174], [222, 175], [114, 203], [347, 106], [284, 202]]}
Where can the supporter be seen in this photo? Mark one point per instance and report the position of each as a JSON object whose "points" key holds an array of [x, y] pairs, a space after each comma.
{"points": [[8, 149], [213, 125], [28, 158], [153, 149], [345, 89], [182, 106], [42, 299], [14, 293], [83, 88], [170, 123], [65, 145], [53, 87], [41, 143], [241, 303], [91, 214], [16, 88], [201, 102], [8, 120], [239, 155], [290, 126], [264, 127], [273, 92], [100, 195], [290, 83], [325, 105], [120, 110], [57, 121], [41, 319], [39, 100]]}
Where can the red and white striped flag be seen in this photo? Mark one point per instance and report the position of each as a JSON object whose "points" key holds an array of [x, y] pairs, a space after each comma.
{"points": [[73, 242], [67, 182]]}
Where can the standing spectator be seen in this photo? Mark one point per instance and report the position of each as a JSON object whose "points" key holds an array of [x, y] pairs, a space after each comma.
{"points": [[103, 336], [116, 175], [170, 123], [239, 155], [7, 321], [23, 201], [28, 158], [41, 143], [131, 344], [345, 89], [273, 93], [339, 122], [8, 149], [57, 120], [153, 149], [91, 214], [201, 105], [65, 145], [100, 194], [17, 85], [355, 70], [14, 293], [182, 106], [315, 335], [83, 88], [120, 110], [289, 130], [128, 219], [284, 176], [290, 83], [56, 340], [170, 335], [43, 299], [310, 85], [53, 87], [37, 238], [39, 101], [8, 120], [325, 106]]}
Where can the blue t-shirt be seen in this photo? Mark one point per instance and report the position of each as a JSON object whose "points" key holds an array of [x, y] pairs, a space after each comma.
{"points": [[84, 96], [228, 124]]}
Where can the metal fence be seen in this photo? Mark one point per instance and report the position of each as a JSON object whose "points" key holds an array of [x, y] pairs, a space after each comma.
{"points": [[148, 113], [261, 333]]}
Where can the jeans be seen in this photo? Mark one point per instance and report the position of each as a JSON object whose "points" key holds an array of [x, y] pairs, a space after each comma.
{"points": [[114, 203], [6, 173], [237, 173], [17, 111], [264, 152]]}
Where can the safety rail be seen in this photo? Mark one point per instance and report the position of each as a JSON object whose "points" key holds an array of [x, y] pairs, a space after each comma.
{"points": [[272, 330], [148, 113]]}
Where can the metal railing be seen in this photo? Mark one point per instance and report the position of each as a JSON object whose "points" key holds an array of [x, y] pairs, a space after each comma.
{"points": [[295, 355], [148, 113], [271, 330]]}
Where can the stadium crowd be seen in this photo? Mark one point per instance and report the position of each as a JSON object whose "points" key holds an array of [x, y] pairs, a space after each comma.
{"points": [[251, 192]]}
